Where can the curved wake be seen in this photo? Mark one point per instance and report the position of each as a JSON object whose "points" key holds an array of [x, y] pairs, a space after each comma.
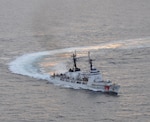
{"points": [[25, 65]]}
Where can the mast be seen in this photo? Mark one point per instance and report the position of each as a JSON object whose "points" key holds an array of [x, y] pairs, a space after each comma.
{"points": [[74, 62], [90, 61]]}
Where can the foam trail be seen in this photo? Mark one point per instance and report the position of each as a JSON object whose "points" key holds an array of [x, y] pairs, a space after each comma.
{"points": [[24, 65]]}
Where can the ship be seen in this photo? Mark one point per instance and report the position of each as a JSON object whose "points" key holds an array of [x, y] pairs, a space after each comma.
{"points": [[91, 80]]}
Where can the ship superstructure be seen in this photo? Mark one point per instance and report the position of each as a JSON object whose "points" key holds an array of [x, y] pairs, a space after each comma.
{"points": [[91, 80]]}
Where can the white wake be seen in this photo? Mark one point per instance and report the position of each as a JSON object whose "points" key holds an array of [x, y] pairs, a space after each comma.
{"points": [[24, 65]]}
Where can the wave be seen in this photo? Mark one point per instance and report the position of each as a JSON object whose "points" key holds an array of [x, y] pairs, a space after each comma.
{"points": [[25, 64]]}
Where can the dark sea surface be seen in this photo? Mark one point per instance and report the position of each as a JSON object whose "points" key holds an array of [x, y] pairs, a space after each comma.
{"points": [[37, 37]]}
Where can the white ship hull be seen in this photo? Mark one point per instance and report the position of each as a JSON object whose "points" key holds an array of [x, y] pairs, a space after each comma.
{"points": [[102, 87]]}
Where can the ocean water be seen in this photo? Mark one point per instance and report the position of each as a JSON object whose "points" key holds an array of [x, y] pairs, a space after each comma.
{"points": [[38, 37]]}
